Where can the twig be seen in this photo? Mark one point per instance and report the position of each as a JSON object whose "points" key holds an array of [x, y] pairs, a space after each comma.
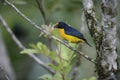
{"points": [[45, 32], [63, 76], [42, 10], [76, 68], [20, 45], [59, 53]]}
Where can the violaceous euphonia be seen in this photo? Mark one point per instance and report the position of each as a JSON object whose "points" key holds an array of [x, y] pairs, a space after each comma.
{"points": [[70, 34]]}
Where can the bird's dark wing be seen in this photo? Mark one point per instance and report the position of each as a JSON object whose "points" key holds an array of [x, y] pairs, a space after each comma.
{"points": [[73, 32], [76, 33]]}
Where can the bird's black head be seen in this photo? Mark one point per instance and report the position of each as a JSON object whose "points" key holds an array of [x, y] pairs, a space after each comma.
{"points": [[61, 25]]}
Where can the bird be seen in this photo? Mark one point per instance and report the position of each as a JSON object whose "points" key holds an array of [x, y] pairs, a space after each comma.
{"points": [[70, 34]]}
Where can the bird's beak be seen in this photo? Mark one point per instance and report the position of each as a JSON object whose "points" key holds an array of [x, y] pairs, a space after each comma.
{"points": [[56, 25]]}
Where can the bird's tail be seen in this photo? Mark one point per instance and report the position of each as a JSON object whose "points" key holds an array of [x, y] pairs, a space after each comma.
{"points": [[87, 43]]}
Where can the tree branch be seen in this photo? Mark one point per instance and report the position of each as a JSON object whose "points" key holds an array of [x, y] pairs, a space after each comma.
{"points": [[104, 37], [93, 24], [20, 45], [108, 66], [49, 35]]}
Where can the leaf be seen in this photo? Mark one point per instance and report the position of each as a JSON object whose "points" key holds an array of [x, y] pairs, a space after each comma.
{"points": [[33, 46], [43, 48], [65, 52], [55, 67], [67, 69], [57, 76], [57, 59], [28, 51], [52, 55]]}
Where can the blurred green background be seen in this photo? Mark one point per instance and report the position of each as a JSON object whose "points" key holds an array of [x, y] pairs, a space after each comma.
{"points": [[69, 11]]}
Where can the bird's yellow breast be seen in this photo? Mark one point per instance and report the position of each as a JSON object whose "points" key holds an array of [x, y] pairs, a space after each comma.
{"points": [[69, 37]]}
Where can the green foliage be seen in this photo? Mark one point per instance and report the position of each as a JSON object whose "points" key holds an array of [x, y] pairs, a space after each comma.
{"points": [[27, 51], [63, 59], [39, 48], [57, 76]]}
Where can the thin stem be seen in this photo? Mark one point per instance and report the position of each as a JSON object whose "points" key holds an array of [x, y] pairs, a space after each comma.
{"points": [[59, 53], [63, 76], [42, 10]]}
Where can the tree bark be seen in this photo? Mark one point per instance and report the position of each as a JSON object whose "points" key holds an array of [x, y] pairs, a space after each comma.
{"points": [[104, 37], [107, 60]]}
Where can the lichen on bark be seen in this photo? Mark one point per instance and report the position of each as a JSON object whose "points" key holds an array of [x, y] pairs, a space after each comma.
{"points": [[104, 36]]}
